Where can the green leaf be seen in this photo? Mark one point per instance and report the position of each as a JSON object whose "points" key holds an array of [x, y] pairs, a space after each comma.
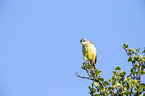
{"points": [[130, 59], [125, 79], [125, 46], [94, 90], [140, 56], [90, 87], [102, 79], [97, 95], [138, 81], [96, 84], [141, 72], [114, 72], [88, 66], [143, 85], [135, 58], [138, 88], [126, 93], [143, 51], [130, 50], [143, 57], [117, 84], [122, 73], [136, 65], [130, 53], [134, 82], [106, 83], [118, 68], [136, 50], [83, 67], [132, 71], [98, 72], [109, 80]]}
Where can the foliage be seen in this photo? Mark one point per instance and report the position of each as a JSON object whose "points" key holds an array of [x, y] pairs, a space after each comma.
{"points": [[119, 84]]}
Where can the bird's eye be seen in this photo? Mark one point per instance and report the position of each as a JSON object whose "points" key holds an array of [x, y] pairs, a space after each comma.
{"points": [[83, 40]]}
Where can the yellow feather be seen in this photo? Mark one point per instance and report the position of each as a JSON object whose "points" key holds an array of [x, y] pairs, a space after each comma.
{"points": [[89, 52]]}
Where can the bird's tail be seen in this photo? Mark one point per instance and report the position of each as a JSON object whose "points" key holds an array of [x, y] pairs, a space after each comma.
{"points": [[94, 65]]}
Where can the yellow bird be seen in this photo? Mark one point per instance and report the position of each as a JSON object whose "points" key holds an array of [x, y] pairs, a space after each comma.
{"points": [[89, 51]]}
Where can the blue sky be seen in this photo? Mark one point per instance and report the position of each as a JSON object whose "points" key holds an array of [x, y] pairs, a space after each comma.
{"points": [[40, 42]]}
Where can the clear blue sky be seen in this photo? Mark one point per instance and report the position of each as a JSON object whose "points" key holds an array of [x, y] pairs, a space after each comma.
{"points": [[40, 48]]}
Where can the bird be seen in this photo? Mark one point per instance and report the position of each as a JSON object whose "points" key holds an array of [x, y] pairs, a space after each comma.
{"points": [[89, 51]]}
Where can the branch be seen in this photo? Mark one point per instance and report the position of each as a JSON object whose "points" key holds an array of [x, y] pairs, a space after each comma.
{"points": [[83, 77]]}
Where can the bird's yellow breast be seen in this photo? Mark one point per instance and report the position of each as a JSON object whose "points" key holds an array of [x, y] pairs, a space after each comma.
{"points": [[89, 51]]}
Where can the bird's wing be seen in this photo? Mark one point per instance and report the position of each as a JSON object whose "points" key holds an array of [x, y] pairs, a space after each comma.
{"points": [[84, 50], [92, 46]]}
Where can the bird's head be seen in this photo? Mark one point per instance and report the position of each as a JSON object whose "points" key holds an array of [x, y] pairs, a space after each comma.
{"points": [[84, 41]]}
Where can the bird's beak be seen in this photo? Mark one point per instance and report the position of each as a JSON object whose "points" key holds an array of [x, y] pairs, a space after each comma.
{"points": [[82, 43]]}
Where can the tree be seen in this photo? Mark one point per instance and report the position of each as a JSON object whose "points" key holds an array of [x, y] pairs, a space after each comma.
{"points": [[119, 84]]}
